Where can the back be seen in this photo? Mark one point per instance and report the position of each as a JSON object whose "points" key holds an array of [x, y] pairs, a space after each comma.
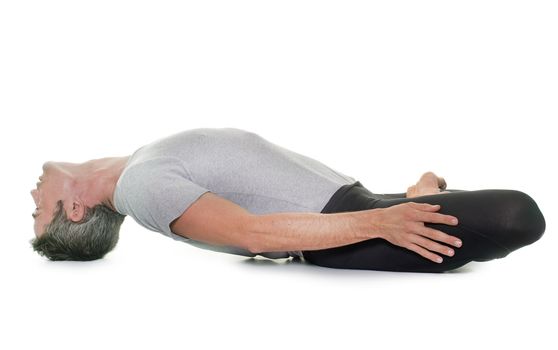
{"points": [[163, 178]]}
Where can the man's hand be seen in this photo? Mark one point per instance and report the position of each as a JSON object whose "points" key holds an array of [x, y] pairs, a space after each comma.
{"points": [[403, 225], [429, 183]]}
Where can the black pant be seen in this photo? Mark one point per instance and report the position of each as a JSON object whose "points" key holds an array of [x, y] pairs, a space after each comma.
{"points": [[492, 223]]}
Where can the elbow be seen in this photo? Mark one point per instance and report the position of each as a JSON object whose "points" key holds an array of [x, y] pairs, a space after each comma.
{"points": [[252, 241], [253, 248]]}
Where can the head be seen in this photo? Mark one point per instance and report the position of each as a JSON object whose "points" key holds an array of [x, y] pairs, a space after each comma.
{"points": [[71, 220]]}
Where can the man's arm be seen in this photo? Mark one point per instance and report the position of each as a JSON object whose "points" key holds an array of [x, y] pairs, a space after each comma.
{"points": [[310, 231], [215, 220]]}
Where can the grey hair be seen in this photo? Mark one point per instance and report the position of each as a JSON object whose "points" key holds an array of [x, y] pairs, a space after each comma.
{"points": [[91, 238]]}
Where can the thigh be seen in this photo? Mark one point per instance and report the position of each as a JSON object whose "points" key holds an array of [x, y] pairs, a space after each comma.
{"points": [[509, 219]]}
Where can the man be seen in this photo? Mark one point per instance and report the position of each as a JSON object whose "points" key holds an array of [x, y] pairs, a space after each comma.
{"points": [[227, 190]]}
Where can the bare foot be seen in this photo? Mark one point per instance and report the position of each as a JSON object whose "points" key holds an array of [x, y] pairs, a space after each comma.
{"points": [[429, 179], [429, 183]]}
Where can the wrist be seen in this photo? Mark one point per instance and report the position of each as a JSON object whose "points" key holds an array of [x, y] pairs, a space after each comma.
{"points": [[368, 223]]}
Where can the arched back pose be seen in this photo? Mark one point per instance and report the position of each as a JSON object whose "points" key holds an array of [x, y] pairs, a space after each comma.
{"points": [[232, 191]]}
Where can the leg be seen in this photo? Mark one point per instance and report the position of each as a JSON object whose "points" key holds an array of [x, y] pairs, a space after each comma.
{"points": [[492, 223]]}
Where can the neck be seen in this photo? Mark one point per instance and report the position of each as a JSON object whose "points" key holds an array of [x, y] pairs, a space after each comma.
{"points": [[99, 179]]}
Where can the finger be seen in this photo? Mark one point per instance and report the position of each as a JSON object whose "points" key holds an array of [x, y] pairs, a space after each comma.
{"points": [[425, 253], [432, 246], [425, 206], [437, 218], [440, 236]]}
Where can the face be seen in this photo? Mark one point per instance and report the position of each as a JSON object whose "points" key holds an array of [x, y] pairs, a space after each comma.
{"points": [[53, 186]]}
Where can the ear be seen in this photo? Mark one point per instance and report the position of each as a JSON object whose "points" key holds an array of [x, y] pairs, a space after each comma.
{"points": [[76, 211]]}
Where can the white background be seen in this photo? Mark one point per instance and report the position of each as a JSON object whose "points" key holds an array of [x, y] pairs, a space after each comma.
{"points": [[382, 91]]}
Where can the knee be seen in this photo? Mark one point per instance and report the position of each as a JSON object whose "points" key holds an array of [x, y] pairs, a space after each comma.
{"points": [[525, 221]]}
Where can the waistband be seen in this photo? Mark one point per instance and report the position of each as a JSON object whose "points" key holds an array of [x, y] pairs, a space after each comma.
{"points": [[338, 198]]}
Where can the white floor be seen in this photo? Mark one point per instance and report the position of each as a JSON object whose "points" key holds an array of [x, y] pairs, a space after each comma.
{"points": [[154, 292]]}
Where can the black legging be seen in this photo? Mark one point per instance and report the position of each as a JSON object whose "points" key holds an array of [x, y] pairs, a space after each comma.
{"points": [[492, 223]]}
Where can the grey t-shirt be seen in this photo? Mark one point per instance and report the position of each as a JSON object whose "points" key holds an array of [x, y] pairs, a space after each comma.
{"points": [[163, 178]]}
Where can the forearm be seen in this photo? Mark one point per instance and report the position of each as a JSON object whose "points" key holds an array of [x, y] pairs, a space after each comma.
{"points": [[310, 231]]}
